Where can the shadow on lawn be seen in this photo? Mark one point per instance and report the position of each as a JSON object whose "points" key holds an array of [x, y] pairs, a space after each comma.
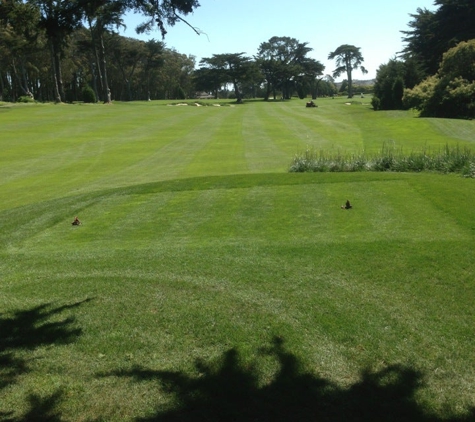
{"points": [[41, 409], [27, 330], [227, 391]]}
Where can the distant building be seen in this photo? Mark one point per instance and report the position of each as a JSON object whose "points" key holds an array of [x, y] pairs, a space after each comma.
{"points": [[204, 96]]}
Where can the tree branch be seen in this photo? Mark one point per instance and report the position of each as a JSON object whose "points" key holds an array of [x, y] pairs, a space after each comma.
{"points": [[194, 28]]}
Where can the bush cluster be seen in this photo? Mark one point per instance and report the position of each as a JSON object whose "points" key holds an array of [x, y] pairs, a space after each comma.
{"points": [[88, 95], [25, 99], [447, 160], [451, 92]]}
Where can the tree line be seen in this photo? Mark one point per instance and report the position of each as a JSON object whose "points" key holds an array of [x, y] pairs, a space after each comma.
{"points": [[435, 72], [57, 50]]}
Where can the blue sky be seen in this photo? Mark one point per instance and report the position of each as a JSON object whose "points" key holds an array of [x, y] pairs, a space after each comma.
{"points": [[235, 26]]}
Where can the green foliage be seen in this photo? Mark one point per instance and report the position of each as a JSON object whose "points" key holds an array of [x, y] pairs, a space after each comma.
{"points": [[25, 99], [391, 79], [88, 95], [347, 58], [344, 86], [179, 93], [282, 61], [459, 62], [42, 32], [451, 92], [421, 94], [448, 160], [162, 13], [376, 103], [301, 92], [326, 88], [233, 68], [432, 33], [397, 93], [363, 89]]}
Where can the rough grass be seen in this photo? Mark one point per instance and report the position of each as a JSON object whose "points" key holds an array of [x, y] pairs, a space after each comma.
{"points": [[206, 284], [451, 159]]}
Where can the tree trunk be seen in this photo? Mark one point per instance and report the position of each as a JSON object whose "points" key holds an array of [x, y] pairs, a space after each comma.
{"points": [[105, 83], [26, 87], [286, 91], [267, 91], [60, 75], [106, 90], [127, 79], [22, 80], [2, 87], [94, 79], [57, 95], [350, 83], [237, 92], [97, 74], [57, 69], [129, 85]]}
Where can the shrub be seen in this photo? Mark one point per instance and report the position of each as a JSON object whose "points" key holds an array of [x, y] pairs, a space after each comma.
{"points": [[469, 171], [420, 95], [451, 92], [88, 95], [376, 103], [397, 93], [391, 79], [449, 160], [301, 92], [180, 93], [25, 99]]}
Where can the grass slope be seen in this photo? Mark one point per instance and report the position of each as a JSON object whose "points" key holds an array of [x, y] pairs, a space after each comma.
{"points": [[51, 151], [206, 283]]}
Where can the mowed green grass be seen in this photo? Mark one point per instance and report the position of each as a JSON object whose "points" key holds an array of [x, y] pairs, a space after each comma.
{"points": [[206, 281]]}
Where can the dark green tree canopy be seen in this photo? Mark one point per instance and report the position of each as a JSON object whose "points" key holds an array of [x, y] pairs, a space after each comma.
{"points": [[58, 49], [234, 68], [431, 34], [391, 79], [451, 92], [163, 12], [283, 60], [347, 58]]}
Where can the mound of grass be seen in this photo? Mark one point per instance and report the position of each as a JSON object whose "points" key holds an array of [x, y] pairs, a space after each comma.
{"points": [[451, 159]]}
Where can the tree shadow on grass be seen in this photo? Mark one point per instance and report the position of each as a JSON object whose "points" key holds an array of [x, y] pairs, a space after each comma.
{"points": [[40, 409], [27, 330], [227, 391]]}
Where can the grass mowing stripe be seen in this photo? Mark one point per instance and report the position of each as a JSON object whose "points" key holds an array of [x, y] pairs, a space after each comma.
{"points": [[307, 214], [223, 154], [167, 270], [323, 127], [170, 160], [404, 129], [261, 151], [283, 134], [76, 165], [112, 143], [462, 130], [298, 210]]}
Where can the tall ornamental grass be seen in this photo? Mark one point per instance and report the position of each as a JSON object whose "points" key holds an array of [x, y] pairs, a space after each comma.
{"points": [[450, 159]]}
